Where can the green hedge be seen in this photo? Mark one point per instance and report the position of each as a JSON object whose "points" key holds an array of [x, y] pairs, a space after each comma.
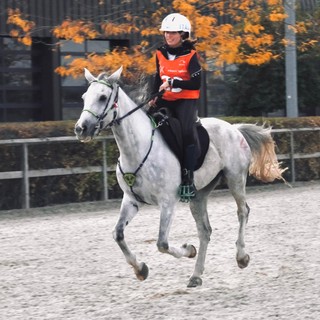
{"points": [[46, 191]]}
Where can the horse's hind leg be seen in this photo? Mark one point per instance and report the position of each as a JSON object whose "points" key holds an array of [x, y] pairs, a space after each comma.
{"points": [[127, 212], [237, 187]]}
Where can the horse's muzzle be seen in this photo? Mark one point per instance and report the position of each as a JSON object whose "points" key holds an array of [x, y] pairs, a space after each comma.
{"points": [[82, 133]]}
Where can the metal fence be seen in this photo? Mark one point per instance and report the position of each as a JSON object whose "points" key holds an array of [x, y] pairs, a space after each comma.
{"points": [[25, 174], [292, 155]]}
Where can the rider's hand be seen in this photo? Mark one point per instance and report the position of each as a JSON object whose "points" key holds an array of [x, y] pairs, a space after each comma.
{"points": [[165, 86], [153, 102]]}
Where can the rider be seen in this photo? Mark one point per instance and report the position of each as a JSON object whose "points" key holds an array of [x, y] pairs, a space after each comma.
{"points": [[179, 74]]}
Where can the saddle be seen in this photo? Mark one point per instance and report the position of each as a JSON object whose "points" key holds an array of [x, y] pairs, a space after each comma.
{"points": [[171, 131]]}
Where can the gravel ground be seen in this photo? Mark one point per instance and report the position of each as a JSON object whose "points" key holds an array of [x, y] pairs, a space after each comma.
{"points": [[62, 263]]}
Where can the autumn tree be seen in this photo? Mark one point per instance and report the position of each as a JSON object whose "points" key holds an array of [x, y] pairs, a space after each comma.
{"points": [[258, 90], [228, 32]]}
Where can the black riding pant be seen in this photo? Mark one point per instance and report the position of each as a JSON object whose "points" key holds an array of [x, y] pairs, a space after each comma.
{"points": [[186, 111]]}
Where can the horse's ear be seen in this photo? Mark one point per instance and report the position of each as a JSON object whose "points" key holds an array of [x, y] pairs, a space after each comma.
{"points": [[116, 75], [88, 75]]}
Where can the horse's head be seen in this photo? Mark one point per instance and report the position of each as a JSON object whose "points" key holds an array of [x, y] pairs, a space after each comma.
{"points": [[100, 103]]}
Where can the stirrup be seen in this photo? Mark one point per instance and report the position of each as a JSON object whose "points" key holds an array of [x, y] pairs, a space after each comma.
{"points": [[186, 192]]}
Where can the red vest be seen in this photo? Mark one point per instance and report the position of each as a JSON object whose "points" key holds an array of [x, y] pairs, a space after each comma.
{"points": [[176, 69]]}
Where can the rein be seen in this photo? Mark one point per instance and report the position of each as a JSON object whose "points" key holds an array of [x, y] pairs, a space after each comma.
{"points": [[114, 105], [157, 94]]}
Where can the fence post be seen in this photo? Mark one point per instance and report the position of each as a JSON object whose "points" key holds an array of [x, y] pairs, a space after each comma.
{"points": [[25, 180], [105, 170], [293, 169]]}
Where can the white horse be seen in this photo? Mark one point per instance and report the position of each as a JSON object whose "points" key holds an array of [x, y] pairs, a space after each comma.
{"points": [[149, 173]]}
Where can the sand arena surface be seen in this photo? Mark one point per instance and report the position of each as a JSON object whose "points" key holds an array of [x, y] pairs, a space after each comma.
{"points": [[62, 263]]}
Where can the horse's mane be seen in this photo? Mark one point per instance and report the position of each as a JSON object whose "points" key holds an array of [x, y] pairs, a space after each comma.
{"points": [[138, 91]]}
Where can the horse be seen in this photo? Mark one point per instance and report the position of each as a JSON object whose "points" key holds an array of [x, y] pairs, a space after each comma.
{"points": [[149, 173]]}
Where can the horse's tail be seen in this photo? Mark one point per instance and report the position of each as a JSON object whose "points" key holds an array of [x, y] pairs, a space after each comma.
{"points": [[264, 164]]}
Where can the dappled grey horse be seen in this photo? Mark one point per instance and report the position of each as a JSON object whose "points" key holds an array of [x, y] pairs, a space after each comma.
{"points": [[148, 172]]}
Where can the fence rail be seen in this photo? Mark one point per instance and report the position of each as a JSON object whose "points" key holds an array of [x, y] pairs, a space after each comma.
{"points": [[25, 174]]}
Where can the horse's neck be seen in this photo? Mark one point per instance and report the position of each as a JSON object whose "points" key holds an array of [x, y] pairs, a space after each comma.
{"points": [[133, 134]]}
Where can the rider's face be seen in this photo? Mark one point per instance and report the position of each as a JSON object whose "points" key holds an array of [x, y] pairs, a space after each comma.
{"points": [[173, 38]]}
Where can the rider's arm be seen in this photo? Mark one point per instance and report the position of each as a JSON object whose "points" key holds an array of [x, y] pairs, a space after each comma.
{"points": [[157, 80], [195, 76]]}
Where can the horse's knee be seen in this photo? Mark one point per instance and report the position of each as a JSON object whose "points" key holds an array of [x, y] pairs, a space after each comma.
{"points": [[163, 246], [118, 234]]}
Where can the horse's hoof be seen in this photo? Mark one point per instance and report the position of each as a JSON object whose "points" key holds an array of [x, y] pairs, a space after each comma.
{"points": [[243, 263], [194, 282], [143, 273], [192, 249]]}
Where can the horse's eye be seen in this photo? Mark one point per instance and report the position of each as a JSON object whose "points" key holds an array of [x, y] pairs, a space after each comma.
{"points": [[103, 98]]}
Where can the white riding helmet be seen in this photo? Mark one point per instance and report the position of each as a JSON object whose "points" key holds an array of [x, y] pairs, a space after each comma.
{"points": [[176, 22]]}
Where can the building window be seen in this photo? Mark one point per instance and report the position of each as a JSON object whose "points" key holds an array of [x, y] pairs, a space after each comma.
{"points": [[71, 88], [19, 91], [30, 90]]}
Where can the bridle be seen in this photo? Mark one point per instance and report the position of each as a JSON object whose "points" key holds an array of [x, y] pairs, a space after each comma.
{"points": [[111, 105]]}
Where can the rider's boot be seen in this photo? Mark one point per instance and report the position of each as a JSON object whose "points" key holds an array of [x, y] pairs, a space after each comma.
{"points": [[187, 189]]}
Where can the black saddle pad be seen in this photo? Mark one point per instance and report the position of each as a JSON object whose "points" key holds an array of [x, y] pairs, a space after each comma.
{"points": [[204, 141], [171, 132]]}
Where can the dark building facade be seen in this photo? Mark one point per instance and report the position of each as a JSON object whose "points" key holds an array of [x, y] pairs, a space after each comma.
{"points": [[30, 90]]}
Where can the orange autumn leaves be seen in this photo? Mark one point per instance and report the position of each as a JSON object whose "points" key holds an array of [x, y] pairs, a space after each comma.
{"points": [[243, 39], [75, 30], [23, 27], [231, 32], [134, 63]]}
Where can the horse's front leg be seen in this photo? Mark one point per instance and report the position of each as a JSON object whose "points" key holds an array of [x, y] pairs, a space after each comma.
{"points": [[127, 212], [186, 250]]}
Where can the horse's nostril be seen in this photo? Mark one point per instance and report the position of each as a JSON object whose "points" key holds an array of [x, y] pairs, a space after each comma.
{"points": [[79, 129]]}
